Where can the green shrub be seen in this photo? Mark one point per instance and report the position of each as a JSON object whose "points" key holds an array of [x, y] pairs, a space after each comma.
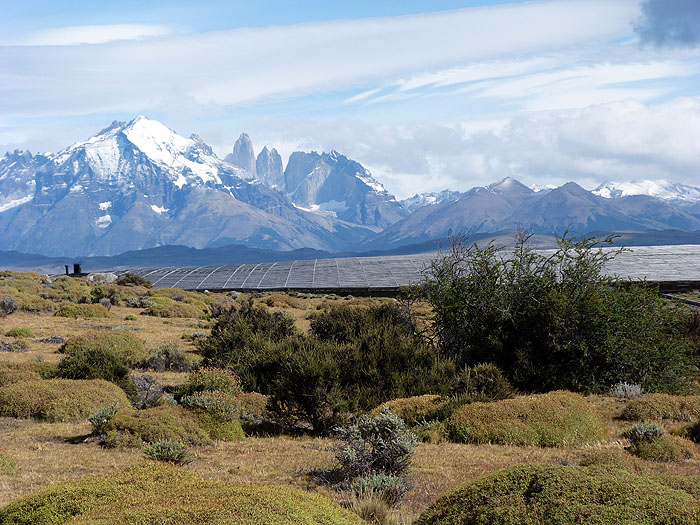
{"points": [[168, 358], [613, 458], [82, 310], [209, 380], [379, 485], [556, 321], [482, 382], [529, 494], [414, 409], [219, 414], [156, 492], [166, 307], [131, 279], [20, 332], [655, 407], [134, 428], [374, 444], [98, 363], [168, 451], [100, 420], [557, 419], [252, 403], [8, 467], [665, 449], [58, 399], [123, 343]]}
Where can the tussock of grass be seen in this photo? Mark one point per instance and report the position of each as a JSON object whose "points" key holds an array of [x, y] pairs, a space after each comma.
{"points": [[8, 467], [20, 331], [151, 492], [123, 343], [655, 407], [412, 409], [556, 419], [530, 494], [131, 428], [58, 399], [85, 311]]}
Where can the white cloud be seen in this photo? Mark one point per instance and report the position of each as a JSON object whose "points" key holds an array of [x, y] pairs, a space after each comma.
{"points": [[97, 34], [252, 64]]}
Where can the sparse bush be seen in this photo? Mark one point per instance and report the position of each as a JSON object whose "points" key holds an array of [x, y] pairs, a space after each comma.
{"points": [[387, 487], [131, 279], [106, 302], [124, 344], [528, 494], [218, 413], [82, 310], [624, 390], [168, 358], [556, 419], [655, 407], [100, 420], [149, 392], [643, 432], [133, 428], [8, 305], [105, 295], [483, 382], [168, 451], [374, 444], [22, 331], [58, 399], [157, 492], [195, 335], [556, 321], [13, 346]]}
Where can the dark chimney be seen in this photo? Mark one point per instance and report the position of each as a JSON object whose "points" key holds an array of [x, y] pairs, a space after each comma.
{"points": [[77, 270], [67, 270]]}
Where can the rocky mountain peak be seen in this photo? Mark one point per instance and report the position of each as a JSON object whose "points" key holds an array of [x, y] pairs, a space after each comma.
{"points": [[269, 168], [243, 155]]}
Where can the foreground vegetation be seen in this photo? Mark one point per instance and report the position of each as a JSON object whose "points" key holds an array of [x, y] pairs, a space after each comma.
{"points": [[381, 405]]}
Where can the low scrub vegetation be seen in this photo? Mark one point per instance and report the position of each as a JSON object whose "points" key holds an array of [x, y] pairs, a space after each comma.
{"points": [[20, 331], [563, 494], [556, 419], [168, 451], [414, 409], [168, 358], [58, 399], [83, 310], [16, 372], [122, 343], [8, 467], [655, 407], [157, 492]]}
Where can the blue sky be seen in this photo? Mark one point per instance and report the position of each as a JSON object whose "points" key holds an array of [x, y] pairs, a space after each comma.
{"points": [[427, 95]]}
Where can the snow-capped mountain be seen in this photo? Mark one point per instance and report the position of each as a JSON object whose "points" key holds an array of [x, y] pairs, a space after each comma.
{"points": [[331, 183], [17, 182], [430, 199], [680, 194], [139, 184]]}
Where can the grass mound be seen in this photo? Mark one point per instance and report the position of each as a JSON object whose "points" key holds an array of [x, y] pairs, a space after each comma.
{"points": [[555, 494], [664, 449], [555, 419], [58, 399], [82, 310], [151, 492], [20, 331], [614, 457], [125, 344], [15, 372], [412, 409], [165, 306], [132, 428], [655, 407]]}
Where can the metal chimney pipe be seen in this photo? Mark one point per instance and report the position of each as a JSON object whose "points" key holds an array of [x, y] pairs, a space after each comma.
{"points": [[67, 270]]}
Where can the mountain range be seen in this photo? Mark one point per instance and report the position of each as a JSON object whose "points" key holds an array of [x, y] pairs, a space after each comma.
{"points": [[140, 185]]}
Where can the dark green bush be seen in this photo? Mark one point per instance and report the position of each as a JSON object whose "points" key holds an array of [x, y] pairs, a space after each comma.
{"points": [[131, 279], [556, 321], [483, 382], [168, 451], [98, 363], [168, 358], [209, 380]]}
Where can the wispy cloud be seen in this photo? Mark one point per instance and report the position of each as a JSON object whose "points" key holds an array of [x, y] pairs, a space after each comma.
{"points": [[95, 34]]}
